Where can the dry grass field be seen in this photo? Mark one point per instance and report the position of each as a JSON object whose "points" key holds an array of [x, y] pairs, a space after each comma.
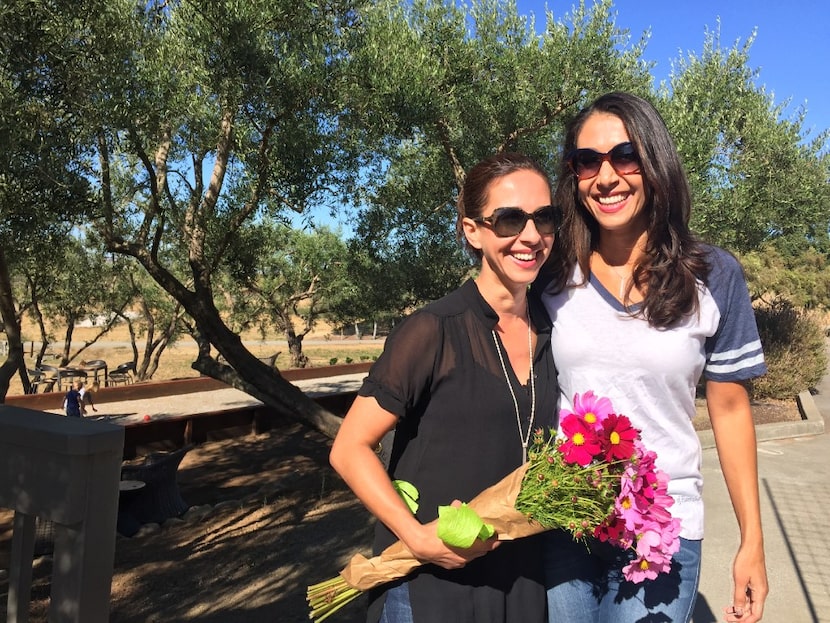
{"points": [[321, 346]]}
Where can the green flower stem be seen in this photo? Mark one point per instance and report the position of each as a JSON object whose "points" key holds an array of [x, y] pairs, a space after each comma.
{"points": [[561, 495], [329, 596]]}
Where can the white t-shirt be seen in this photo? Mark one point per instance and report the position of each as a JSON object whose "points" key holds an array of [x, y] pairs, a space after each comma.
{"points": [[650, 374]]}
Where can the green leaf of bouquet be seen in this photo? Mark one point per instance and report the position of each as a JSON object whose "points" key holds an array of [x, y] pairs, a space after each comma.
{"points": [[461, 526], [409, 494]]}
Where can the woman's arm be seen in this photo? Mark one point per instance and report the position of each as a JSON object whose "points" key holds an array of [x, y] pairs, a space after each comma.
{"points": [[353, 456], [734, 430]]}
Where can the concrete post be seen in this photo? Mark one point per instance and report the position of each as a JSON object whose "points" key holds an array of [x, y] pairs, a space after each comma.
{"points": [[65, 470]]}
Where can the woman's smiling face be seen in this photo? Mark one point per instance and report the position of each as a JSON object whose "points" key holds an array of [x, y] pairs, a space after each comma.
{"points": [[616, 201], [515, 259]]}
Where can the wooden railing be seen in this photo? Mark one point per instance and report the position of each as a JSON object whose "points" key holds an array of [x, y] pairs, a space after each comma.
{"points": [[65, 471]]}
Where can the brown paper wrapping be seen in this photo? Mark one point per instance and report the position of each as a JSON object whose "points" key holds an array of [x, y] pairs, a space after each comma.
{"points": [[495, 505]]}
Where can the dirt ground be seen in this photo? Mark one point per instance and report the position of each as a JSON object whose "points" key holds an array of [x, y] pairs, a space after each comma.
{"points": [[268, 517]]}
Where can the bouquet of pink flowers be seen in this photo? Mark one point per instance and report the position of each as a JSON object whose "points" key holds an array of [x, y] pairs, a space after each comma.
{"points": [[595, 479], [601, 449]]}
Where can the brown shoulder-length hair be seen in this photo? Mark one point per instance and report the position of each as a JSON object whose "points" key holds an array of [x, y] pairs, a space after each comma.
{"points": [[674, 258], [474, 193]]}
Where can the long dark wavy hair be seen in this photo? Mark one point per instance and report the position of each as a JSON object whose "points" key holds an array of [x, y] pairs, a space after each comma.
{"points": [[674, 258]]}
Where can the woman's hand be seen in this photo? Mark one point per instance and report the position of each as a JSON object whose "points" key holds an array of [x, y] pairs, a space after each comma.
{"points": [[751, 587], [428, 548]]}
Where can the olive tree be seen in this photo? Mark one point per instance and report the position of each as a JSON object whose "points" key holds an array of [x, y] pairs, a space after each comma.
{"points": [[286, 279], [43, 188], [433, 87], [755, 176]]}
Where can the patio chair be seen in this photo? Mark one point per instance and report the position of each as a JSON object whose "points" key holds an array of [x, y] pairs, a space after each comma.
{"points": [[121, 374], [160, 498], [49, 377], [38, 379]]}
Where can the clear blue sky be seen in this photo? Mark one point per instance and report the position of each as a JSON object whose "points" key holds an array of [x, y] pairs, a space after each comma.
{"points": [[790, 49]]}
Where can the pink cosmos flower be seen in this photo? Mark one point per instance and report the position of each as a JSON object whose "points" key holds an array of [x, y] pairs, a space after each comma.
{"points": [[649, 540], [590, 408], [670, 535], [641, 569]]}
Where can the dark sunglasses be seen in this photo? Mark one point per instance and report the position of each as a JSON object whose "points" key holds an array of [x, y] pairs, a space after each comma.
{"points": [[586, 163], [512, 221]]}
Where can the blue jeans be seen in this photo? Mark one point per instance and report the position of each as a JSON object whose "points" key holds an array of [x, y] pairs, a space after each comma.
{"points": [[396, 608], [588, 586]]}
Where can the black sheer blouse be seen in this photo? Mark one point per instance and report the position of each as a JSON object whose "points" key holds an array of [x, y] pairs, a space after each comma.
{"points": [[457, 434]]}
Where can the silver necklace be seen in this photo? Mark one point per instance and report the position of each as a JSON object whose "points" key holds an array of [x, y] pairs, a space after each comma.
{"points": [[524, 438], [623, 280]]}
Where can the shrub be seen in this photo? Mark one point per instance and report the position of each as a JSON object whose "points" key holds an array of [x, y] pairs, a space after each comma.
{"points": [[794, 348]]}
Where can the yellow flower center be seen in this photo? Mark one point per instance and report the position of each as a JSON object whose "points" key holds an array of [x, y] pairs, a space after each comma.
{"points": [[615, 437], [590, 417], [578, 439], [644, 565], [626, 503]]}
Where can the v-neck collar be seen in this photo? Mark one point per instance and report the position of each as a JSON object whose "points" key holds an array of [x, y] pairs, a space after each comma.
{"points": [[612, 300]]}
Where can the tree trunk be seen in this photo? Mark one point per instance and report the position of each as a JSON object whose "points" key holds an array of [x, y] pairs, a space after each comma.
{"points": [[15, 361], [247, 373], [67, 339], [295, 346], [41, 325]]}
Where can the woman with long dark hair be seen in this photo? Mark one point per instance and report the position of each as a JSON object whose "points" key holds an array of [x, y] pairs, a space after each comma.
{"points": [[641, 309]]}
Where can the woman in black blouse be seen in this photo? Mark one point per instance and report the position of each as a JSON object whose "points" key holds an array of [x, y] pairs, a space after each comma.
{"points": [[459, 385]]}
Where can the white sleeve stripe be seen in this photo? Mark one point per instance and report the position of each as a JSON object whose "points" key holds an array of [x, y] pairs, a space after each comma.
{"points": [[738, 365], [734, 354]]}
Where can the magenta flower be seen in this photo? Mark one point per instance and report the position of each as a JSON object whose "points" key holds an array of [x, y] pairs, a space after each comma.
{"points": [[613, 530], [618, 437], [581, 443], [641, 521], [593, 436]]}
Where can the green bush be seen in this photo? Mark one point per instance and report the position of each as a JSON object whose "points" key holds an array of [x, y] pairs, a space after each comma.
{"points": [[794, 348]]}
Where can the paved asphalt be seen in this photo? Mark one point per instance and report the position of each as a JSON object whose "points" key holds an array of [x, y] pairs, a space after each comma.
{"points": [[795, 506]]}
